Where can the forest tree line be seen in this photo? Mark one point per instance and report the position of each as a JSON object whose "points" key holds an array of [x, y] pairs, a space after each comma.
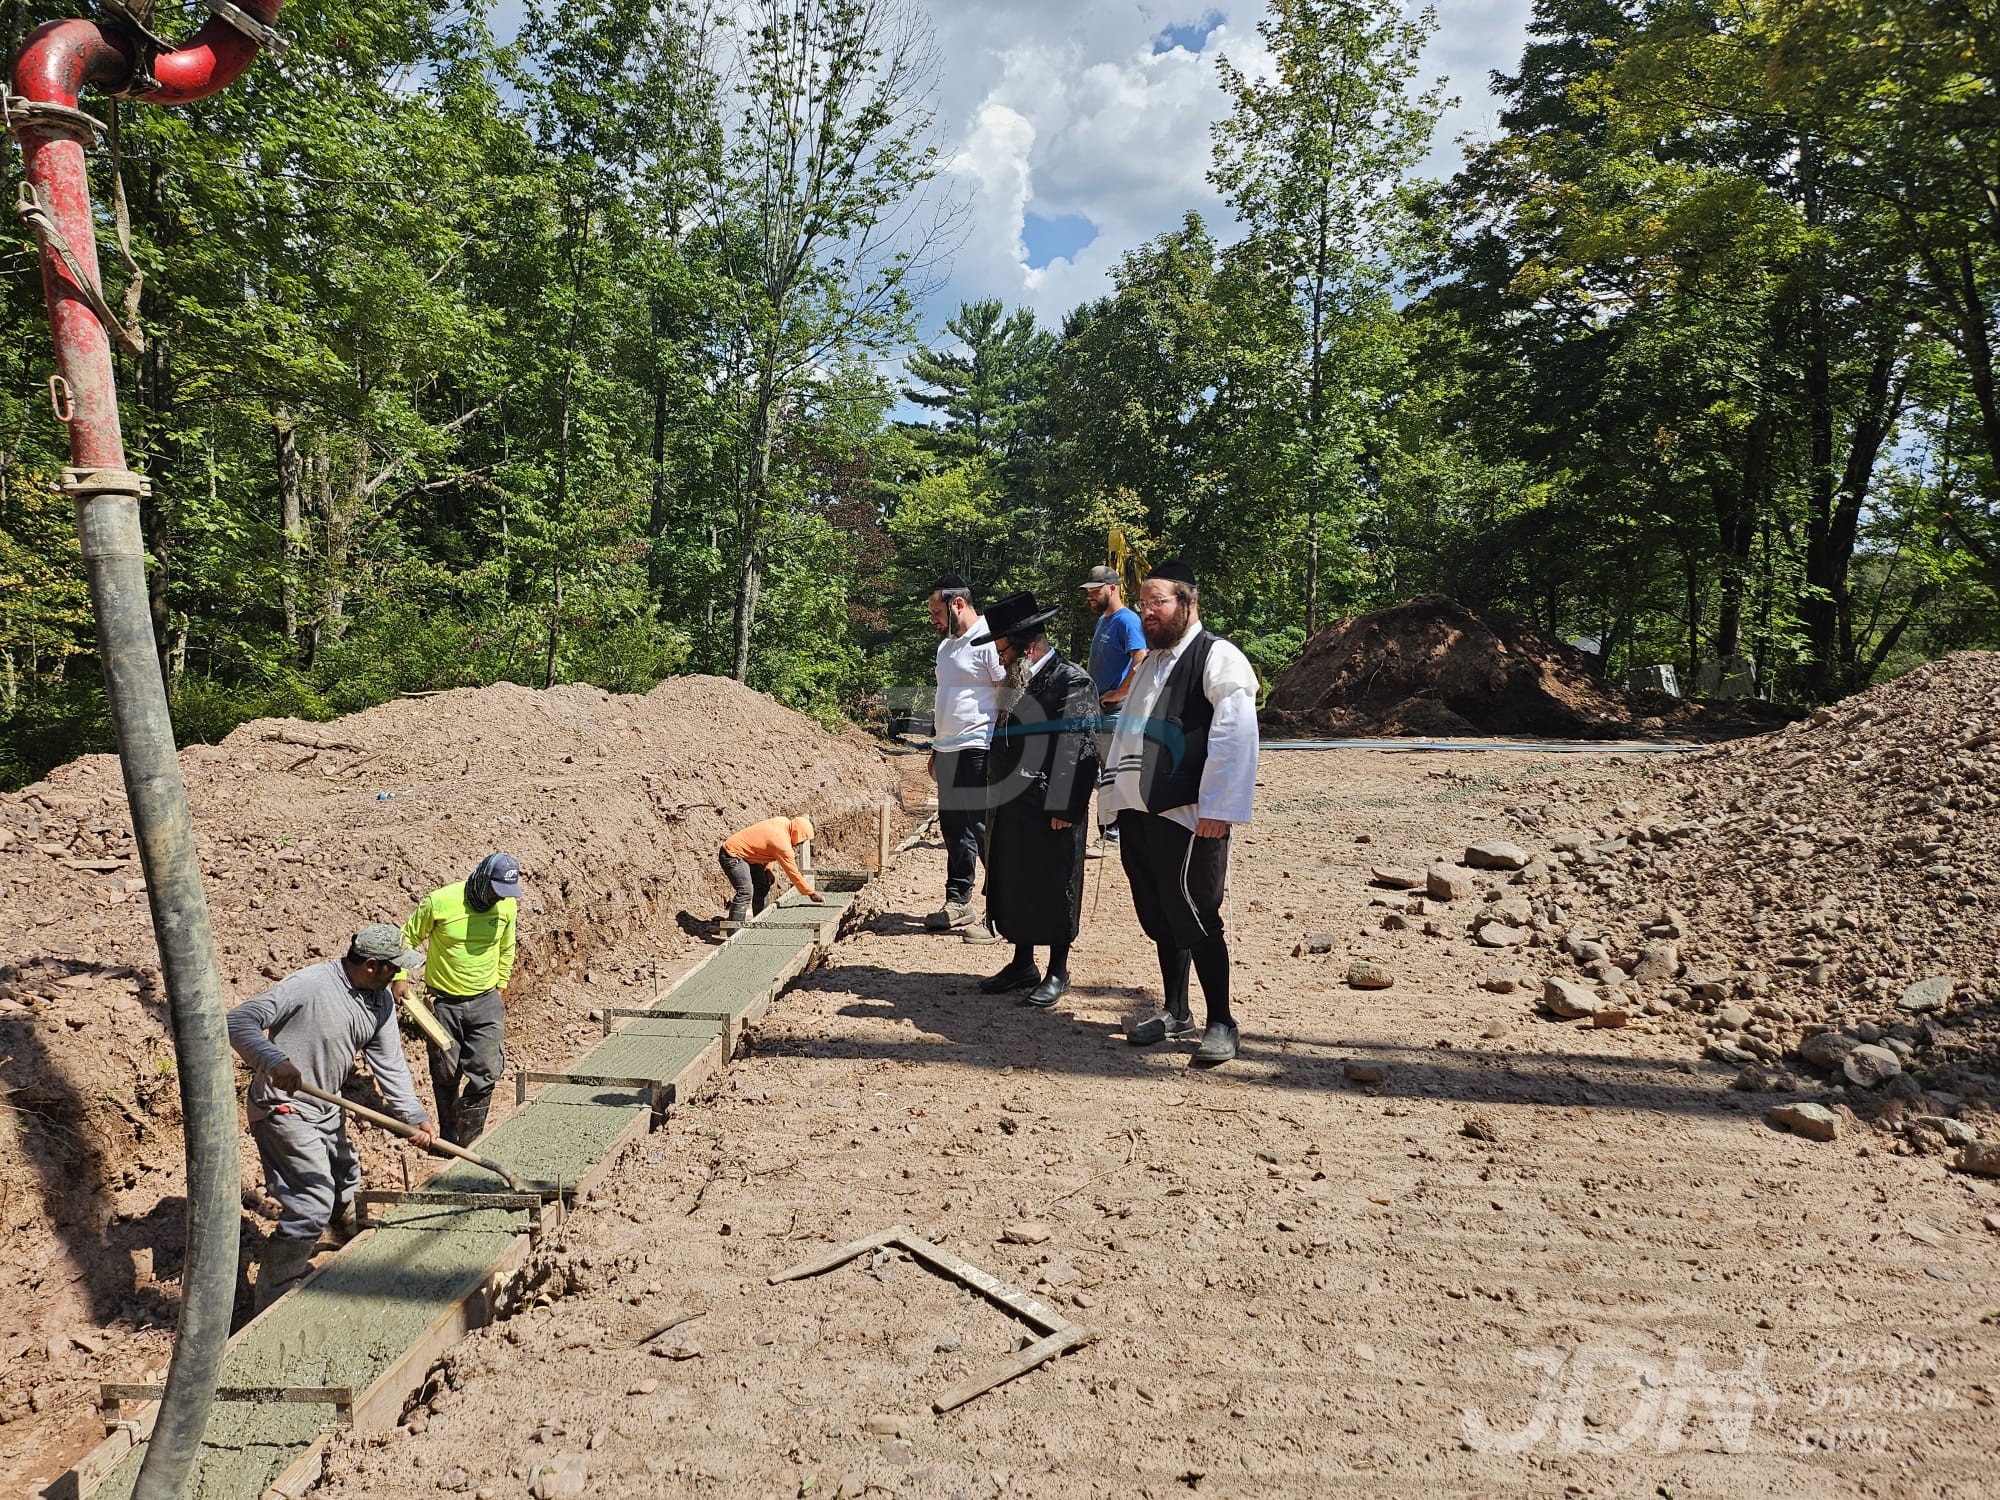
{"points": [[577, 356]]}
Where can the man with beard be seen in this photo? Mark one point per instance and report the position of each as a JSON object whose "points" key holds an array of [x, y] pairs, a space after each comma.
{"points": [[968, 680], [1182, 773], [1117, 646], [469, 927], [1040, 773]]}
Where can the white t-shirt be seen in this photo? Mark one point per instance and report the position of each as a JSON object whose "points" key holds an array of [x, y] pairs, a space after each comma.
{"points": [[1229, 777], [968, 691]]}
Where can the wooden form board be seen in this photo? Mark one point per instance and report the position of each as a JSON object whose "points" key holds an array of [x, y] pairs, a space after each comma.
{"points": [[378, 1405]]}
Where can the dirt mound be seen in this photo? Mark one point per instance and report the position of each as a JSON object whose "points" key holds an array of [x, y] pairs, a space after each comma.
{"points": [[614, 806], [1837, 876], [1434, 667]]}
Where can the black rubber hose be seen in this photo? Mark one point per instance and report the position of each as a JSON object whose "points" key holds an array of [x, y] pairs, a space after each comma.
{"points": [[114, 558]]}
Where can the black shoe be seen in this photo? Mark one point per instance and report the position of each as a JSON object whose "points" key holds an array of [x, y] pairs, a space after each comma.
{"points": [[1049, 991], [1218, 1045], [1016, 976], [1163, 1027]]}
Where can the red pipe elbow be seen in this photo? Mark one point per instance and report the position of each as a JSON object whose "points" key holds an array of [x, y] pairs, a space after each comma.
{"points": [[62, 56]]}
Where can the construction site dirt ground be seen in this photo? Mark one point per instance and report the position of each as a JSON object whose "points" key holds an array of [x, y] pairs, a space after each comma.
{"points": [[1534, 1259]]}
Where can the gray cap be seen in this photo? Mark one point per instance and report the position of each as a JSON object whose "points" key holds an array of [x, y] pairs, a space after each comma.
{"points": [[383, 943], [1101, 577]]}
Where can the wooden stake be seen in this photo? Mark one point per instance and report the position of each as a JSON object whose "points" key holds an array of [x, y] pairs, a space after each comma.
{"points": [[838, 1257], [1059, 1342]]}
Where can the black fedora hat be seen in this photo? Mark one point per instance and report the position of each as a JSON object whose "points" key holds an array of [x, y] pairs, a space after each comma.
{"points": [[1011, 616]]}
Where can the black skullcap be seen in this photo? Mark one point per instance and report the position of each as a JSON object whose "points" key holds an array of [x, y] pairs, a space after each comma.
{"points": [[1174, 571], [947, 582]]}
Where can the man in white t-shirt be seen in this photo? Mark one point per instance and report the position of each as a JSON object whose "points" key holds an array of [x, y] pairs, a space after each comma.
{"points": [[968, 692]]}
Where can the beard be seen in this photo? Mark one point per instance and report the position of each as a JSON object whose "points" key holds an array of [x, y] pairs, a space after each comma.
{"points": [[1101, 604], [1014, 684], [1162, 630]]}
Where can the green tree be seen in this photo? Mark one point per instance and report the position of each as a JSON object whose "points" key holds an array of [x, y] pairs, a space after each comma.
{"points": [[1312, 158], [818, 209], [990, 394]]}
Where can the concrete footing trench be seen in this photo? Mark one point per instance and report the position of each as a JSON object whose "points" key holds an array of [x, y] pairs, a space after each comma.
{"points": [[375, 1317]]}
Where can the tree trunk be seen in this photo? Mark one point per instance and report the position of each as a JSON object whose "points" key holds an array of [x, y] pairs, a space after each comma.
{"points": [[1819, 607], [555, 628], [656, 527], [290, 520], [750, 572]]}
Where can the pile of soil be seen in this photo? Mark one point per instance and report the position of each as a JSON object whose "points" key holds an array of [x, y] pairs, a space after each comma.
{"points": [[613, 805], [1829, 886], [1434, 667]]}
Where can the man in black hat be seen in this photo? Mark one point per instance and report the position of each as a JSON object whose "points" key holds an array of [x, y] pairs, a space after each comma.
{"points": [[968, 685], [1182, 773], [1039, 775]]}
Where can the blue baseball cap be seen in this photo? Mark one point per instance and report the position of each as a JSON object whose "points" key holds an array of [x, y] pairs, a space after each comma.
{"points": [[503, 871]]}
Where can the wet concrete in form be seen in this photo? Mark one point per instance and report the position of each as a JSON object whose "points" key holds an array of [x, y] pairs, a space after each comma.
{"points": [[359, 1313]]}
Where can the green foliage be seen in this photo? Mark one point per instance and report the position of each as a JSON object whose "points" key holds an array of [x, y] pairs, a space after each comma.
{"points": [[568, 359]]}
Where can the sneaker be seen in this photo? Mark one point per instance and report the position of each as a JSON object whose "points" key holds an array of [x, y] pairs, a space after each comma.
{"points": [[1218, 1045], [1163, 1027], [951, 914]]}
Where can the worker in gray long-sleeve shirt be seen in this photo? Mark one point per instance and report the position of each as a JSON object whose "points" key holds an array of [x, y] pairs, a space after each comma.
{"points": [[307, 1028]]}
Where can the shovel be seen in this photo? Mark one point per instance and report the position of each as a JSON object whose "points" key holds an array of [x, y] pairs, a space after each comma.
{"points": [[397, 1127]]}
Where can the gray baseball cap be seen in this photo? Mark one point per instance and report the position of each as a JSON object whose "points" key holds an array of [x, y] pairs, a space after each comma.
{"points": [[384, 944], [1101, 577]]}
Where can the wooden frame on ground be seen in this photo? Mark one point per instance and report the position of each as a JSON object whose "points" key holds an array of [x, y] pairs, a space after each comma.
{"points": [[1059, 1335]]}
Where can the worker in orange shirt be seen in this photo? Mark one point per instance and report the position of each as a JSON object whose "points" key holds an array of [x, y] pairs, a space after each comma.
{"points": [[748, 854]]}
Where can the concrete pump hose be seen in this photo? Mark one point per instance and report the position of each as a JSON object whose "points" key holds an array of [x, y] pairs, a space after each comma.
{"points": [[113, 554], [40, 111]]}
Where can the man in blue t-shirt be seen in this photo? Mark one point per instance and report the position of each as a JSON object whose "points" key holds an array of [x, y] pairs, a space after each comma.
{"points": [[1117, 647]]}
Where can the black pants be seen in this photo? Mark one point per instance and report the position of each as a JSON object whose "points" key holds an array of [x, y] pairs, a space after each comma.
{"points": [[463, 1078], [961, 789], [1178, 881], [753, 886]]}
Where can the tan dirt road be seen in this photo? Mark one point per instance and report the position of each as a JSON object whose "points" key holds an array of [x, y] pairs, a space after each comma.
{"points": [[1302, 1285]]}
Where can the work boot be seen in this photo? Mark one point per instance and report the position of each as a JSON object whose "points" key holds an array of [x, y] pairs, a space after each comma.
{"points": [[982, 933], [1016, 976], [1167, 1025], [739, 912], [471, 1121], [1218, 1045], [1049, 991], [951, 914], [342, 1227], [283, 1265]]}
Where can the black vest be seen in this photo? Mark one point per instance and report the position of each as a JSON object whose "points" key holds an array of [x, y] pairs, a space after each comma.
{"points": [[1176, 746]]}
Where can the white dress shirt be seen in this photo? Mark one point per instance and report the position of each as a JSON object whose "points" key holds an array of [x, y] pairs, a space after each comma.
{"points": [[1229, 777], [968, 691]]}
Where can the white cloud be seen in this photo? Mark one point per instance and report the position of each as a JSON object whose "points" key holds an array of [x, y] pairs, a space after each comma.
{"points": [[1057, 109]]}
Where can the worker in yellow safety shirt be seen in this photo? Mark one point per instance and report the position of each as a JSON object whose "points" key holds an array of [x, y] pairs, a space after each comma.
{"points": [[748, 854], [467, 932]]}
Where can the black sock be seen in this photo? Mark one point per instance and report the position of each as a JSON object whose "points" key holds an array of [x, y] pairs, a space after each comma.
{"points": [[1024, 954], [1173, 979], [1059, 960], [1211, 964]]}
